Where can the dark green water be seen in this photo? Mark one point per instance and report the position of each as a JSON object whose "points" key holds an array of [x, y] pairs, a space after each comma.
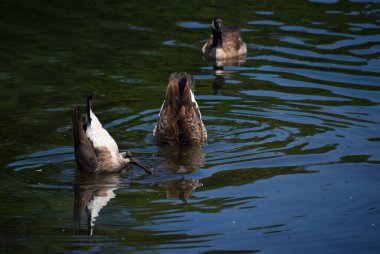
{"points": [[292, 163]]}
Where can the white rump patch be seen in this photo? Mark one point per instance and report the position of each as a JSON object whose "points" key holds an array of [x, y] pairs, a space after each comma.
{"points": [[100, 136]]}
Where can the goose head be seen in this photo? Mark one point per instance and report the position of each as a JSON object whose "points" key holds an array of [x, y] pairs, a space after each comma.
{"points": [[217, 25], [217, 30]]}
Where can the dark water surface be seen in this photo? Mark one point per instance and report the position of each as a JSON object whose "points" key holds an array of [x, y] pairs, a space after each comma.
{"points": [[292, 163]]}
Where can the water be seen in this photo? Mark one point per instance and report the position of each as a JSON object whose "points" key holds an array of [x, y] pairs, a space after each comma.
{"points": [[292, 163]]}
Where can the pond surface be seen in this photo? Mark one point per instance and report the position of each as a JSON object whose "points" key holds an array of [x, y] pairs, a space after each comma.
{"points": [[292, 163]]}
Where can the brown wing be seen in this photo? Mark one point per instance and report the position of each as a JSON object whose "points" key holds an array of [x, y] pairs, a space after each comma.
{"points": [[85, 154], [189, 118], [231, 39], [207, 47], [167, 132]]}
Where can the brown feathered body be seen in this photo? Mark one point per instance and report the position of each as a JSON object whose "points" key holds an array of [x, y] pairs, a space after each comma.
{"points": [[180, 120]]}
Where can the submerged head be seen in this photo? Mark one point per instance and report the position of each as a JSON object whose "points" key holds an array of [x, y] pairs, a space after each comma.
{"points": [[217, 25]]}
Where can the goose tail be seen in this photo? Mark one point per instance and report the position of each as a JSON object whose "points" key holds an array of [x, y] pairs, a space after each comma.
{"points": [[89, 109], [77, 124], [179, 92]]}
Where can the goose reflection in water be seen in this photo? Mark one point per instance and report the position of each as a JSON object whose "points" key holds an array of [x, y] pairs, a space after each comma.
{"points": [[181, 159], [233, 61], [92, 193], [220, 73], [180, 189]]}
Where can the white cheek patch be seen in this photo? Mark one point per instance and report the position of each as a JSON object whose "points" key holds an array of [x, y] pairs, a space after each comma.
{"points": [[213, 25]]}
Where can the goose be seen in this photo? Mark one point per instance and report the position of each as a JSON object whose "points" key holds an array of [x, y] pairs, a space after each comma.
{"points": [[95, 150], [225, 42], [179, 120]]}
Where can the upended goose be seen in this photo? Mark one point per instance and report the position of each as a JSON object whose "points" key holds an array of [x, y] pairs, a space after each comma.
{"points": [[180, 120], [95, 150], [225, 42]]}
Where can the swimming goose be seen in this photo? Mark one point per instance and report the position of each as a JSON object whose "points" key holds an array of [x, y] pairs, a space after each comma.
{"points": [[95, 150], [180, 120], [225, 42]]}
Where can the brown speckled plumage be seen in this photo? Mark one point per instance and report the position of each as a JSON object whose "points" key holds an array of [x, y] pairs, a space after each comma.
{"points": [[180, 119]]}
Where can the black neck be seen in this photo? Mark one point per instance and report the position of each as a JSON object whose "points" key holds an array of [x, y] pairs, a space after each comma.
{"points": [[216, 38]]}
